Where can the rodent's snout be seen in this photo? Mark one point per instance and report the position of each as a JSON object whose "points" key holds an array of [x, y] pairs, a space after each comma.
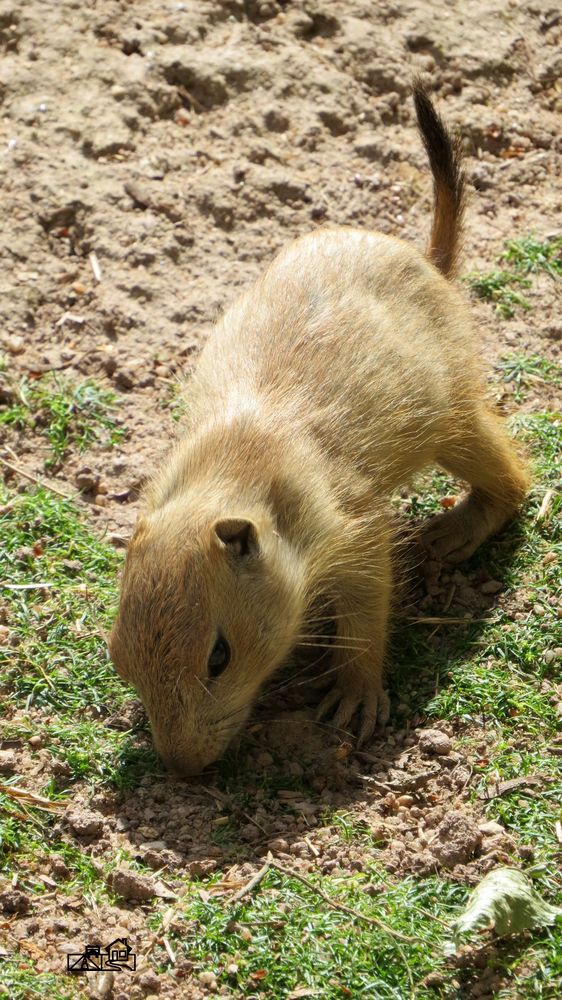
{"points": [[181, 767]]}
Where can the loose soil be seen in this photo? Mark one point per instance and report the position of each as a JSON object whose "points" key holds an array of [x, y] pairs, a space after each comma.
{"points": [[153, 157]]}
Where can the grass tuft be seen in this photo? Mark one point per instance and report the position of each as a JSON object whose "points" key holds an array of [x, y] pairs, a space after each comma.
{"points": [[530, 255], [504, 287], [64, 413]]}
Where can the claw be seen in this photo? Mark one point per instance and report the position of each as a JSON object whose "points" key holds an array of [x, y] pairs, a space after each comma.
{"points": [[328, 701], [373, 705]]}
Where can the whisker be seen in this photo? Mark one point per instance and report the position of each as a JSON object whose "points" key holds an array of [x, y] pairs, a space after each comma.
{"points": [[314, 722], [293, 682], [205, 688], [336, 645], [329, 635]]}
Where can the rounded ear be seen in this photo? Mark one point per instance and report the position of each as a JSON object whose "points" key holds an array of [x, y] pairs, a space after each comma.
{"points": [[239, 535]]}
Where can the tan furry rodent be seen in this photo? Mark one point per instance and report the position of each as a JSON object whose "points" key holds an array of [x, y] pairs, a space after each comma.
{"points": [[347, 367]]}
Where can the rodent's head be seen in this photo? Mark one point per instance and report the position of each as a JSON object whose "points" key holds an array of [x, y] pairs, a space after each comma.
{"points": [[209, 608]]}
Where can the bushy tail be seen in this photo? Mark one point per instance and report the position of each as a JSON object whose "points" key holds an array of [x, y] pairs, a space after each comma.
{"points": [[448, 183]]}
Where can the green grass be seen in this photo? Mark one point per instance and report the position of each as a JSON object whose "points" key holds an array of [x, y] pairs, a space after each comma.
{"points": [[55, 658], [175, 402], [285, 937], [530, 255], [526, 371], [20, 981], [486, 678], [505, 287], [64, 413]]}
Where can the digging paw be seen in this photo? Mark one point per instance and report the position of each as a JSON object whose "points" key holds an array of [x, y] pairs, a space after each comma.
{"points": [[355, 692]]}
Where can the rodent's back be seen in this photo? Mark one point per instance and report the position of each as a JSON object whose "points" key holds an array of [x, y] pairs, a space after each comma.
{"points": [[354, 336]]}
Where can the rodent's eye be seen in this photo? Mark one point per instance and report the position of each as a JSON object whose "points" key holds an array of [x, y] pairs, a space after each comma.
{"points": [[219, 658]]}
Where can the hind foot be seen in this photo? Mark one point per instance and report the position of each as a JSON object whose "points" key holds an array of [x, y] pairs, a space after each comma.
{"points": [[454, 535]]}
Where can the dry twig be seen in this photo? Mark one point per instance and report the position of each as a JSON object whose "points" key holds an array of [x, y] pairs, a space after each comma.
{"points": [[34, 479]]}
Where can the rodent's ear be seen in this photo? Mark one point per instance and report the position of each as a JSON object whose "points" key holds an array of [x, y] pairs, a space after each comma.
{"points": [[239, 535]]}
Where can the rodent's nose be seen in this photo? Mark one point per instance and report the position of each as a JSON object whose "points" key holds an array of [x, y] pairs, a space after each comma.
{"points": [[181, 767]]}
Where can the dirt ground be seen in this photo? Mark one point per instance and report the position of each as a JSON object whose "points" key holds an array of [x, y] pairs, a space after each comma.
{"points": [[154, 155]]}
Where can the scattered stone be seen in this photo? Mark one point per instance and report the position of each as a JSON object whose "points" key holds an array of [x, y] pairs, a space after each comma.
{"points": [[491, 587], [14, 344], [7, 394], [207, 979], [278, 846], [456, 841], [124, 378], [275, 120], [491, 828], [201, 868], [72, 565], [35, 742], [153, 845], [118, 541], [14, 901], [100, 985], [106, 142], [8, 761], [149, 982], [132, 886], [433, 741], [59, 868], [85, 823], [87, 479]]}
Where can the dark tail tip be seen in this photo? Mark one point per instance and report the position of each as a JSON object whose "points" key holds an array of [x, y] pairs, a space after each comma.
{"points": [[445, 160]]}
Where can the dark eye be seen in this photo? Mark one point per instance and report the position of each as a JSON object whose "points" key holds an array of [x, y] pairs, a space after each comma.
{"points": [[219, 658]]}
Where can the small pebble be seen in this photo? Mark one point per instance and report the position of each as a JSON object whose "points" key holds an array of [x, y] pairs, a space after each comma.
{"points": [[132, 886], [405, 800], [15, 344], [124, 378], [100, 985], [434, 741], [8, 761], [491, 828], [278, 846], [85, 823], [86, 479], [149, 982]]}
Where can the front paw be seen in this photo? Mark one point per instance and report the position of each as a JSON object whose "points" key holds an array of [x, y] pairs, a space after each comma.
{"points": [[355, 691]]}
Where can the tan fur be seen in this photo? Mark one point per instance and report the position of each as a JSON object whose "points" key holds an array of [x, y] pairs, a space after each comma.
{"points": [[346, 368]]}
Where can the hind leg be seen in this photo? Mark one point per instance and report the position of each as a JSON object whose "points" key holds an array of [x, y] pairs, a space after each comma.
{"points": [[486, 459]]}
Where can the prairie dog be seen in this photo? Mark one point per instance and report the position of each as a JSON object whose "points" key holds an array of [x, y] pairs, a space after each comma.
{"points": [[348, 366]]}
